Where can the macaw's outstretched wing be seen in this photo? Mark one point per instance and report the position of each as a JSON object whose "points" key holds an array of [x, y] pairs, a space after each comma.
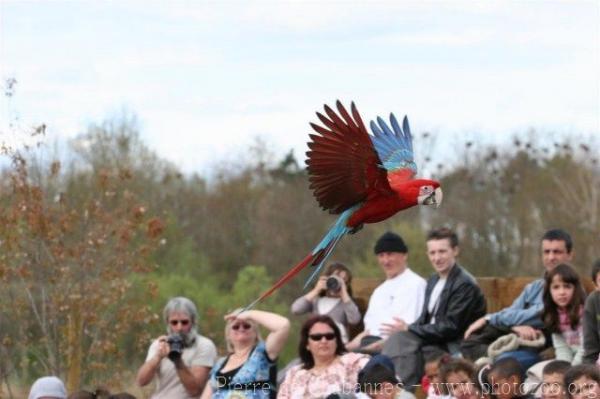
{"points": [[394, 147], [343, 165]]}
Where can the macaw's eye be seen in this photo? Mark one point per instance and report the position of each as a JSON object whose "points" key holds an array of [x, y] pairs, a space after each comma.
{"points": [[425, 190]]}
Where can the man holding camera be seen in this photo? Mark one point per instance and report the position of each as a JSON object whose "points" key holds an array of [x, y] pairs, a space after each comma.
{"points": [[181, 361], [399, 297]]}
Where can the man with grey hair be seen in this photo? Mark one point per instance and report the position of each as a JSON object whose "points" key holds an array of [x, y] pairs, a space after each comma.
{"points": [[180, 362]]}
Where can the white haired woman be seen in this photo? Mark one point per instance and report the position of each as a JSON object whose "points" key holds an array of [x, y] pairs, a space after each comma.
{"points": [[249, 370]]}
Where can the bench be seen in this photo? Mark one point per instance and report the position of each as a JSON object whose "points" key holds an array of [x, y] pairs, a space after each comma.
{"points": [[499, 292]]}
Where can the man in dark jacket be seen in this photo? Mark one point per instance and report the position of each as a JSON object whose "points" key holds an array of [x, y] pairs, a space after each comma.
{"points": [[453, 300], [591, 321]]}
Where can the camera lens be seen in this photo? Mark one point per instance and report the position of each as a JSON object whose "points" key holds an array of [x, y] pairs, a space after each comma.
{"points": [[333, 284], [175, 342]]}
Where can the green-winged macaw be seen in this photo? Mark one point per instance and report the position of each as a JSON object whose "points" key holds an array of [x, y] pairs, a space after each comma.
{"points": [[364, 178]]}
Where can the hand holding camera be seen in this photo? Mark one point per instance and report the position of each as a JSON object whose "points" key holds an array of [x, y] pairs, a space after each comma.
{"points": [[176, 345], [321, 284]]}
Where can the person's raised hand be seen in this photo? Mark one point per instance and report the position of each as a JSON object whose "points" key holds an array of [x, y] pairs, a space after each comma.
{"points": [[321, 284]]}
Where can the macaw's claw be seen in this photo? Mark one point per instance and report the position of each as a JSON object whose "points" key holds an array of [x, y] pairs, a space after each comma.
{"points": [[356, 229]]}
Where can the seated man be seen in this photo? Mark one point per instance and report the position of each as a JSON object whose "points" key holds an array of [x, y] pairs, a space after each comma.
{"points": [[400, 296], [179, 363], [523, 317], [591, 322], [453, 300]]}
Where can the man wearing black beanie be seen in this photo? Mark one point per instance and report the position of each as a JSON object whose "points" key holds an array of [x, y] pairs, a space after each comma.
{"points": [[390, 242], [399, 297]]}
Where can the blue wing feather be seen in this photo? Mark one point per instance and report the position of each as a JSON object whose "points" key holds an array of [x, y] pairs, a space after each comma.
{"points": [[375, 130], [384, 127], [394, 146]]}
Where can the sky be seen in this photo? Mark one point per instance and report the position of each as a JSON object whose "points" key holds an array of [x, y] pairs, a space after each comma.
{"points": [[205, 79]]}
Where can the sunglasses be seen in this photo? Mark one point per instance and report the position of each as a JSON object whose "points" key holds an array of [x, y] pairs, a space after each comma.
{"points": [[182, 322], [243, 326], [318, 337]]}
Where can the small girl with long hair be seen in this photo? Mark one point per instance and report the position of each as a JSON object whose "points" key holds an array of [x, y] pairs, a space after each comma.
{"points": [[564, 297]]}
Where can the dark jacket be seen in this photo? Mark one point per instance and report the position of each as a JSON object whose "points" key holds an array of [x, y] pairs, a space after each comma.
{"points": [[461, 302], [591, 328]]}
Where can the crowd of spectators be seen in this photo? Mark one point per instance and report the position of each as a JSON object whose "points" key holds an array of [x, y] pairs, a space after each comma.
{"points": [[433, 337]]}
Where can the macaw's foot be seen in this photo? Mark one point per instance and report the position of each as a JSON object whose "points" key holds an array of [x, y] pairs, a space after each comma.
{"points": [[356, 229]]}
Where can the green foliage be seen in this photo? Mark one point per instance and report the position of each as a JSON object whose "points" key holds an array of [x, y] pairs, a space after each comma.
{"points": [[178, 254], [212, 301]]}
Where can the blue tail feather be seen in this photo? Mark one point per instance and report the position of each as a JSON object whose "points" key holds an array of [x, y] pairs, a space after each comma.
{"points": [[323, 260], [328, 243]]}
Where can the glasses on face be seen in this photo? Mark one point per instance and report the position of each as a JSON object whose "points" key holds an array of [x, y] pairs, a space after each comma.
{"points": [[182, 322], [318, 337], [243, 326]]}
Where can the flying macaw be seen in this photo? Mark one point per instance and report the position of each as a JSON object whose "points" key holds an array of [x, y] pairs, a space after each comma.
{"points": [[364, 178]]}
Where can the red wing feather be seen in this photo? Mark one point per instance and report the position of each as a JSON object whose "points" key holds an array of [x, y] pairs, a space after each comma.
{"points": [[343, 165]]}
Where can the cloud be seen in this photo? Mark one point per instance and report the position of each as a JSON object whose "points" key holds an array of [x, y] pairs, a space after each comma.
{"points": [[465, 38], [207, 78]]}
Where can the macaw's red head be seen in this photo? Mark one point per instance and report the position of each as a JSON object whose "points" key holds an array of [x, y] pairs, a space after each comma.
{"points": [[430, 192]]}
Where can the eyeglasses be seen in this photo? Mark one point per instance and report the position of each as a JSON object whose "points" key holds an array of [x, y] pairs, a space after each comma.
{"points": [[318, 337], [182, 322], [243, 326]]}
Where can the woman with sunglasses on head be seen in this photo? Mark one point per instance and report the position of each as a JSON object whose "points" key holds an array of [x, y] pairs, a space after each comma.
{"points": [[331, 296], [326, 367], [249, 370]]}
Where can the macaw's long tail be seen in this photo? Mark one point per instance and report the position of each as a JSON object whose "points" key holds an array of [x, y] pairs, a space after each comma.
{"points": [[316, 258]]}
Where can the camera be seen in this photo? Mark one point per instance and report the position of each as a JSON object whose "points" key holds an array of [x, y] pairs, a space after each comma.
{"points": [[176, 346], [333, 283]]}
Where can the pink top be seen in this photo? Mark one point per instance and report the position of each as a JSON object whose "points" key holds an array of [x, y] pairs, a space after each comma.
{"points": [[572, 337], [341, 376]]}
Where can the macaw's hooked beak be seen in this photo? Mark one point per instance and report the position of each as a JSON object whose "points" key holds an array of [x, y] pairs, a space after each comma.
{"points": [[435, 198]]}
